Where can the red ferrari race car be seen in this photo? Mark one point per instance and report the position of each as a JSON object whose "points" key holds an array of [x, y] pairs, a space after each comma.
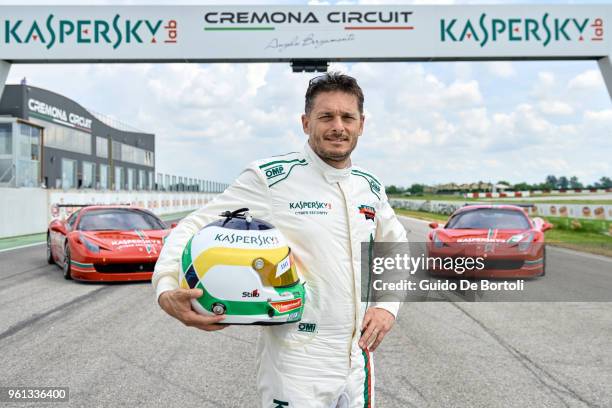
{"points": [[106, 243], [506, 241]]}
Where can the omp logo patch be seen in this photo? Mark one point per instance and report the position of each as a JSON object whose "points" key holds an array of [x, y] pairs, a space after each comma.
{"points": [[367, 211], [278, 170], [307, 327], [274, 172], [375, 186]]}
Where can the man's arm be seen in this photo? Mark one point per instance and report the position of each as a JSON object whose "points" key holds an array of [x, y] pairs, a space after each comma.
{"points": [[389, 229], [379, 318], [250, 190]]}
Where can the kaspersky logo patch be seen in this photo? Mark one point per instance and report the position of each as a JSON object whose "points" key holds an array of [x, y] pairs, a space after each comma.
{"points": [[279, 403], [544, 30], [367, 211], [317, 205], [310, 207], [233, 238], [113, 31]]}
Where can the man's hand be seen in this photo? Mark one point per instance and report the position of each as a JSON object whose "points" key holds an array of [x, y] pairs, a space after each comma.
{"points": [[376, 324], [177, 303]]}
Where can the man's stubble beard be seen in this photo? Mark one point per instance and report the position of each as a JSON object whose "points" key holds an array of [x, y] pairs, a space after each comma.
{"points": [[334, 157], [330, 156]]}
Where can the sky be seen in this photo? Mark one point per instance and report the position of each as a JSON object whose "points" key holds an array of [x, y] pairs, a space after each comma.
{"points": [[431, 123]]}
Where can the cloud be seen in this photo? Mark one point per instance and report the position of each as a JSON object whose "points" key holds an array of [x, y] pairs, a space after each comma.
{"points": [[501, 69], [544, 85], [475, 121], [400, 2], [463, 70], [599, 116], [424, 122], [587, 80], [555, 108], [462, 93], [427, 90]]}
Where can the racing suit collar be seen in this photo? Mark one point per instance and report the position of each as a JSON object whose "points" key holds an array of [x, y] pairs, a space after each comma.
{"points": [[331, 174]]}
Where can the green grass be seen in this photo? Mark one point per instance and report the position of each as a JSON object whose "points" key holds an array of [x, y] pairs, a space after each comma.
{"points": [[12, 242], [591, 242], [576, 237], [586, 240], [580, 225]]}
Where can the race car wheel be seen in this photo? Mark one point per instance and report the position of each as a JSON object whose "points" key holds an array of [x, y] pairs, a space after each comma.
{"points": [[50, 259], [67, 269], [543, 262]]}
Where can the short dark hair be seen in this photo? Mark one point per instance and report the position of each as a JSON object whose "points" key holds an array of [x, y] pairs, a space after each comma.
{"points": [[331, 82]]}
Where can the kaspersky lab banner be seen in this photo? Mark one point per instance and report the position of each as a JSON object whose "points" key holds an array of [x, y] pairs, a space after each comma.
{"points": [[284, 33]]}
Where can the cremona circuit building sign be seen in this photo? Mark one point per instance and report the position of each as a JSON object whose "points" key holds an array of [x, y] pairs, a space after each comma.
{"points": [[306, 36]]}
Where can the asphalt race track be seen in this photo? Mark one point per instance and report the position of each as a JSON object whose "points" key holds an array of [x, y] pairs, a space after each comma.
{"points": [[112, 346]]}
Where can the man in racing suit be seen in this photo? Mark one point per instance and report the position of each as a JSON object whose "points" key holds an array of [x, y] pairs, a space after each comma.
{"points": [[326, 208]]}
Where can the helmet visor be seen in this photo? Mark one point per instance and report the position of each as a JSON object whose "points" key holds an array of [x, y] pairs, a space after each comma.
{"points": [[278, 274]]}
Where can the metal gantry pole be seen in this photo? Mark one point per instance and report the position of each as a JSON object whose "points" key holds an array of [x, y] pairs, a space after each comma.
{"points": [[605, 66], [5, 67]]}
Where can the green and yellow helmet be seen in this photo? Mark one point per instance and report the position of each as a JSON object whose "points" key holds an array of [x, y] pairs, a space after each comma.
{"points": [[245, 270]]}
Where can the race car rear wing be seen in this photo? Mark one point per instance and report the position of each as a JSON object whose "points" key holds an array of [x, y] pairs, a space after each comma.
{"points": [[63, 211]]}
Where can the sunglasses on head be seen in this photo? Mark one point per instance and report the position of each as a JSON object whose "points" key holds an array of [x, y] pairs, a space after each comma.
{"points": [[316, 80], [321, 78]]}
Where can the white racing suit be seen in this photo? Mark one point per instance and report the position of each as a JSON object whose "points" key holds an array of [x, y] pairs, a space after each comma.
{"points": [[325, 213]]}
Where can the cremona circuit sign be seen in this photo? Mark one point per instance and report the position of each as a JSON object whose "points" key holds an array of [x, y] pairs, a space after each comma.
{"points": [[65, 34]]}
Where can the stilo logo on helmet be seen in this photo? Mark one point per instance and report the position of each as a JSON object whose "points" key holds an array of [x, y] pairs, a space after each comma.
{"points": [[254, 293], [252, 280]]}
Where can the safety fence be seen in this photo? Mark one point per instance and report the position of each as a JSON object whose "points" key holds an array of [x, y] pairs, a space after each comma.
{"points": [[518, 194], [580, 211], [29, 210], [171, 182]]}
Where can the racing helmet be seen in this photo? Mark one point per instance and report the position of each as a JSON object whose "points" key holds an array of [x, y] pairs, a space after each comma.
{"points": [[245, 270]]}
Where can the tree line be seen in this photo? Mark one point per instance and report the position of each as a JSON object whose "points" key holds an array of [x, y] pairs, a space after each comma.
{"points": [[551, 182]]}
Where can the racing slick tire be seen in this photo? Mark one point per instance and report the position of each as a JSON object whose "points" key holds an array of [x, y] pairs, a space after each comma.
{"points": [[50, 259], [66, 268], [543, 262]]}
